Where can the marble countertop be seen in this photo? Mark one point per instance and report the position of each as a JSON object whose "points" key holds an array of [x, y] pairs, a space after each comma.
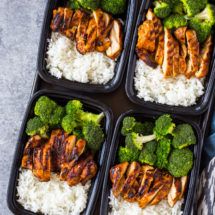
{"points": [[20, 27]]}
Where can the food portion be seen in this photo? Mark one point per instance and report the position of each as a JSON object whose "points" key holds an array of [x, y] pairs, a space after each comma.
{"points": [[60, 151], [154, 164], [86, 40], [175, 46]]}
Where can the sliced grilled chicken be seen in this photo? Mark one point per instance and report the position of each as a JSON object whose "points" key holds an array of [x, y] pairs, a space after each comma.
{"points": [[180, 34], [158, 27], [176, 59], [42, 162], [193, 53], [116, 38], [205, 58], [175, 192], [132, 192], [147, 57], [182, 59], [168, 53], [146, 36], [184, 180], [27, 159], [117, 176], [159, 55], [91, 36], [58, 19]]}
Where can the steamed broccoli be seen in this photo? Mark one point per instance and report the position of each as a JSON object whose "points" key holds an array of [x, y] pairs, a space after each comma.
{"points": [[162, 152], [183, 136], [114, 6], [69, 123], [78, 133], [74, 4], [36, 126], [148, 155], [193, 7], [57, 116], [162, 9], [128, 125], [93, 134], [44, 108], [74, 107], [89, 4], [174, 21], [178, 8], [126, 154], [91, 117], [180, 162]]}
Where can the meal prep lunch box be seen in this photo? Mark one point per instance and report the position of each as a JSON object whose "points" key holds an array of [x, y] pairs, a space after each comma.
{"points": [[118, 140], [128, 18], [197, 109], [62, 98]]}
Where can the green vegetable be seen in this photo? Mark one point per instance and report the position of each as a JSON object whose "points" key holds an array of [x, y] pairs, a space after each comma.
{"points": [[174, 21], [183, 136], [93, 134], [162, 9], [114, 6], [44, 108], [163, 126], [57, 116], [193, 7], [126, 154], [133, 140], [178, 8], [74, 107], [180, 162], [74, 4], [69, 123], [91, 117], [148, 155], [128, 125], [89, 4], [36, 126], [78, 132], [162, 152]]}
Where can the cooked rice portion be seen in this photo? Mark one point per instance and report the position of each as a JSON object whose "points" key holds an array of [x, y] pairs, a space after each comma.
{"points": [[122, 207], [179, 91], [54, 197], [63, 60]]}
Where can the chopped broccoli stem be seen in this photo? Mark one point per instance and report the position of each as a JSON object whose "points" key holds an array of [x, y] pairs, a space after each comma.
{"points": [[91, 117]]}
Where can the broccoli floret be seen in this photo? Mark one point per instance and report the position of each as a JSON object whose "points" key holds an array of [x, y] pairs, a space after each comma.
{"points": [[183, 136], [91, 117], [113, 6], [36, 126], [148, 155], [89, 4], [69, 123], [180, 162], [178, 8], [162, 9], [44, 108], [133, 140], [57, 116], [93, 134], [78, 133], [145, 128], [162, 152], [163, 126], [193, 7], [128, 125], [126, 154], [174, 21], [74, 4], [74, 107]]}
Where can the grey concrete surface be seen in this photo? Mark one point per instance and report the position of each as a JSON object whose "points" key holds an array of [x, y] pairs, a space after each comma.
{"points": [[20, 27]]}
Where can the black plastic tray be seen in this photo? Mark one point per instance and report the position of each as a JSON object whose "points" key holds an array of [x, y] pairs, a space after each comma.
{"points": [[129, 18], [202, 103], [118, 139], [62, 98]]}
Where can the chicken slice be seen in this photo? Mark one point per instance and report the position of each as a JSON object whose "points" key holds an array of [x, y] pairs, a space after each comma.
{"points": [[182, 59], [88, 172], [117, 177], [147, 57], [205, 58], [42, 162], [168, 53], [176, 59], [116, 38], [193, 53], [27, 159], [132, 192], [159, 55], [146, 36], [180, 34], [184, 180], [175, 192], [158, 27], [58, 16]]}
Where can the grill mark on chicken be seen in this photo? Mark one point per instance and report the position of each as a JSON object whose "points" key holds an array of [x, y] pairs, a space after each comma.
{"points": [[180, 34], [176, 59], [159, 55]]}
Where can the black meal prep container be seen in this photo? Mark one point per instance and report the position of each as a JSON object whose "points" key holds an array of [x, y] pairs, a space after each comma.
{"points": [[61, 98], [197, 109], [118, 140], [128, 18]]}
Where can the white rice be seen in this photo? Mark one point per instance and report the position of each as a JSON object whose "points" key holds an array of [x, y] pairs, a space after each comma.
{"points": [[152, 86], [63, 60], [122, 207], [54, 197]]}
